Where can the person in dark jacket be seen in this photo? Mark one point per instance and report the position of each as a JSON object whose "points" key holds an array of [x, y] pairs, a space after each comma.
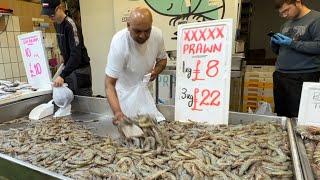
{"points": [[77, 70], [298, 55]]}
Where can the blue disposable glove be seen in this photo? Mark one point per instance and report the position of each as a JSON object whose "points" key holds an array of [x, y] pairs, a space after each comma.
{"points": [[281, 39]]}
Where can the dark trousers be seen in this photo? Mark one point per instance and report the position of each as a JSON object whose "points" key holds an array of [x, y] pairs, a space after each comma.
{"points": [[80, 81], [287, 88]]}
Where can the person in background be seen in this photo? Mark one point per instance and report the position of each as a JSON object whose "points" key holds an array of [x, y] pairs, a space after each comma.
{"points": [[134, 52], [298, 55], [77, 70]]}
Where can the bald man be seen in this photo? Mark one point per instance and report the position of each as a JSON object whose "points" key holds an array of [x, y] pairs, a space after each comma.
{"points": [[134, 52]]}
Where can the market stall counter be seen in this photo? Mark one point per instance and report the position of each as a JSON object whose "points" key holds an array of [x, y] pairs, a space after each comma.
{"points": [[64, 147], [11, 92]]}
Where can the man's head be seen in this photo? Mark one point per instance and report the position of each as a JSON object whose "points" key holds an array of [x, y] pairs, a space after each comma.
{"points": [[53, 9], [140, 24], [289, 9]]}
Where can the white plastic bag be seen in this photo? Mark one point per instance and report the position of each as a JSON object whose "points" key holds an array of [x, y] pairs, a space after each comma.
{"points": [[137, 100], [62, 96], [264, 109]]}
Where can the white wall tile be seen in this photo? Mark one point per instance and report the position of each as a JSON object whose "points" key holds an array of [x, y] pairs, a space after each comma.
{"points": [[3, 40], [13, 54], [9, 25], [16, 34], [16, 23], [24, 79], [1, 59], [17, 79], [5, 55], [11, 39], [53, 35], [48, 36], [2, 72], [19, 55], [15, 70], [22, 70], [8, 70], [9, 79]]}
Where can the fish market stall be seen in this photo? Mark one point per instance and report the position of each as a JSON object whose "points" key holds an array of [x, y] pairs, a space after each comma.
{"points": [[85, 146], [15, 91], [36, 65]]}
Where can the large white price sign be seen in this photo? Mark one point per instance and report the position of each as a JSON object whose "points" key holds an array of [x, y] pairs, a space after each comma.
{"points": [[309, 111], [203, 71], [35, 60]]}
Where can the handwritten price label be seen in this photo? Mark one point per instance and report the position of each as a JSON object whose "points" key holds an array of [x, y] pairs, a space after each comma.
{"points": [[316, 100], [209, 68], [211, 71], [28, 52], [34, 67], [35, 59], [309, 111], [203, 71], [201, 98]]}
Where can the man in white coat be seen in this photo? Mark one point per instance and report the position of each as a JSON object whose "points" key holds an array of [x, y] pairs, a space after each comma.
{"points": [[134, 52]]}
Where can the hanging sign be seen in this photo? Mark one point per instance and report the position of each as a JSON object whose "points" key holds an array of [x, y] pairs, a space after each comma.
{"points": [[309, 111], [203, 71], [35, 60]]}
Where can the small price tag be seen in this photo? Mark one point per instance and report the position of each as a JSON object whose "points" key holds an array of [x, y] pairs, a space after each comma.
{"points": [[309, 111]]}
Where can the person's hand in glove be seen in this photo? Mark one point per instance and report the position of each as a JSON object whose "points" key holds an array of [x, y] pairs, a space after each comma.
{"points": [[281, 39]]}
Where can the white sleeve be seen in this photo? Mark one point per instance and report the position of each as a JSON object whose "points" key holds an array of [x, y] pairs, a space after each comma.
{"points": [[115, 64], [162, 50]]}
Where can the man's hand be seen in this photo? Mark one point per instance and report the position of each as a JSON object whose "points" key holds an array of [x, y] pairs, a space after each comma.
{"points": [[281, 39], [58, 82], [154, 75], [159, 67], [118, 118]]}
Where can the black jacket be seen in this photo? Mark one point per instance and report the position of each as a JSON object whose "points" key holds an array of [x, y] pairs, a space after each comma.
{"points": [[73, 51]]}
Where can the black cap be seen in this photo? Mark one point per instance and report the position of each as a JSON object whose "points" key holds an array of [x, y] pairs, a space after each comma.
{"points": [[49, 6]]}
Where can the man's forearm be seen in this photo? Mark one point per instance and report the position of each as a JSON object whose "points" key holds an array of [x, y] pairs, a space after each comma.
{"points": [[160, 66], [112, 98]]}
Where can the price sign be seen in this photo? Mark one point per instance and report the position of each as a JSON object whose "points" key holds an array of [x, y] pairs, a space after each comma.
{"points": [[309, 111], [203, 71], [35, 59]]}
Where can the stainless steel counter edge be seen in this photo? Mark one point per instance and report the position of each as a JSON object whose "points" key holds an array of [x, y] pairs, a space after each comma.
{"points": [[22, 108], [294, 152], [29, 169], [234, 117], [305, 164]]}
